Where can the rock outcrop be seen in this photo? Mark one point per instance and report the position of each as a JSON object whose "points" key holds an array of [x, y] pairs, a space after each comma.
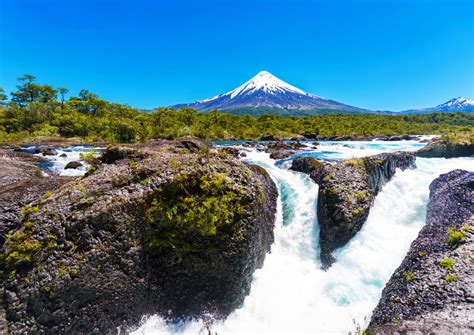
{"points": [[346, 191], [447, 149], [21, 182], [282, 150], [432, 292], [152, 229], [310, 166]]}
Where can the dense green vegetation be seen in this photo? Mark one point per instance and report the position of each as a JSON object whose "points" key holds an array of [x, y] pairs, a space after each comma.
{"points": [[42, 110]]}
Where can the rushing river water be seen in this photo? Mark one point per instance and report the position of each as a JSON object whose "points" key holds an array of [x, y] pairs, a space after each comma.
{"points": [[290, 294]]}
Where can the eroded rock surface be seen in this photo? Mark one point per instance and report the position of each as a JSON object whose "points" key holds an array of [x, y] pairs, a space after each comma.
{"points": [[442, 148], [21, 182], [166, 228], [346, 191], [432, 292]]}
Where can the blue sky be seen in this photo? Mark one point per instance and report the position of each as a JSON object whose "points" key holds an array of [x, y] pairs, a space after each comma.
{"points": [[381, 55]]}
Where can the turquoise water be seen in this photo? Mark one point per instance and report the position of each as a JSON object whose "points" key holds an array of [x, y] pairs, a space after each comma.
{"points": [[290, 294]]}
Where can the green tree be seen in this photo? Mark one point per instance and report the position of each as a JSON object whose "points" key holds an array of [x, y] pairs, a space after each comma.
{"points": [[3, 96], [62, 91]]}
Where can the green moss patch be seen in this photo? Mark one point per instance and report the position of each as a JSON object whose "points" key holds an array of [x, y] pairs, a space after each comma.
{"points": [[191, 208]]}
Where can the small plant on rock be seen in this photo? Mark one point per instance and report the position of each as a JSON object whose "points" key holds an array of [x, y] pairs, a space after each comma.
{"points": [[447, 263], [455, 237]]}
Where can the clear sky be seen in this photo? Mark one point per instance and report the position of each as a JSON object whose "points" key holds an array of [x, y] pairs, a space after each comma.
{"points": [[381, 55]]}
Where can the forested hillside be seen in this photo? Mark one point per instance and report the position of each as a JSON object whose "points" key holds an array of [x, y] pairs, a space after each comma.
{"points": [[36, 109]]}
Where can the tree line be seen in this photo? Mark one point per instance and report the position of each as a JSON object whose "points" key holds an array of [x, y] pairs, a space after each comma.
{"points": [[36, 109]]}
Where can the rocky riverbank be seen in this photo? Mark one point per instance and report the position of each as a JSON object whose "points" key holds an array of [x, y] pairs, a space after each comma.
{"points": [[346, 191], [168, 227], [433, 289], [448, 147]]}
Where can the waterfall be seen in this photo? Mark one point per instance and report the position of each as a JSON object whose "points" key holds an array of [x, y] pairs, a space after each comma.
{"points": [[290, 293]]}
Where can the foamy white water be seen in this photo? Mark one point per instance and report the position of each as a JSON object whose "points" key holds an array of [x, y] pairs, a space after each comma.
{"points": [[57, 163], [291, 294]]}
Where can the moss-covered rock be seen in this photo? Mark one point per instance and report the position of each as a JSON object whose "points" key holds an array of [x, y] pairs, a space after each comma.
{"points": [[310, 166], [448, 146], [151, 229], [439, 297], [346, 192]]}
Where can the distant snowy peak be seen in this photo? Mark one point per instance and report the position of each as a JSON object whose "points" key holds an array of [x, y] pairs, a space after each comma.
{"points": [[263, 81], [458, 104], [266, 82], [266, 90]]}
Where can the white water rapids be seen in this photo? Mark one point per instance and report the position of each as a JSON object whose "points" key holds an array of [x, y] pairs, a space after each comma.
{"points": [[290, 294]]}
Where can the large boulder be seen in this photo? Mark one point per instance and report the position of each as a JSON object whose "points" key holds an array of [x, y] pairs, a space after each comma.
{"points": [[148, 230], [433, 289], [448, 148], [346, 191], [73, 165]]}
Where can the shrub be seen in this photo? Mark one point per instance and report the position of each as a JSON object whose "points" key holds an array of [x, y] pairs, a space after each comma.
{"points": [[451, 277], [455, 237], [19, 249], [447, 263]]}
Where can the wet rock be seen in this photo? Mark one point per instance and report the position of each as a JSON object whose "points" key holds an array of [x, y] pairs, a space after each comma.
{"points": [[309, 166], [152, 230], [282, 150], [446, 149], [47, 151], [73, 165], [346, 191], [433, 289], [63, 155]]}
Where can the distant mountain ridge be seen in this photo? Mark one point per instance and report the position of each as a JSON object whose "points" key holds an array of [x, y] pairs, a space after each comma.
{"points": [[458, 104], [267, 94], [265, 91]]}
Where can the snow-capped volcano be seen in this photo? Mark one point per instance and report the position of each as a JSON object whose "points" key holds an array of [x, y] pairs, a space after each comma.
{"points": [[458, 104], [266, 90]]}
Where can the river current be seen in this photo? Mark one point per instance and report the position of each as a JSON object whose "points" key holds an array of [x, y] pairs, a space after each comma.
{"points": [[290, 294]]}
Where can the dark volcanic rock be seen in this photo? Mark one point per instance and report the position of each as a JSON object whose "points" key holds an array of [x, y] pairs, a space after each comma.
{"points": [[433, 289], [46, 151], [231, 151], [268, 138], [282, 150], [21, 182], [346, 192], [309, 166], [73, 165], [147, 231], [440, 148]]}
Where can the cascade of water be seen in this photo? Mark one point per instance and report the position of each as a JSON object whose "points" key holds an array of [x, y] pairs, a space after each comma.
{"points": [[291, 294]]}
